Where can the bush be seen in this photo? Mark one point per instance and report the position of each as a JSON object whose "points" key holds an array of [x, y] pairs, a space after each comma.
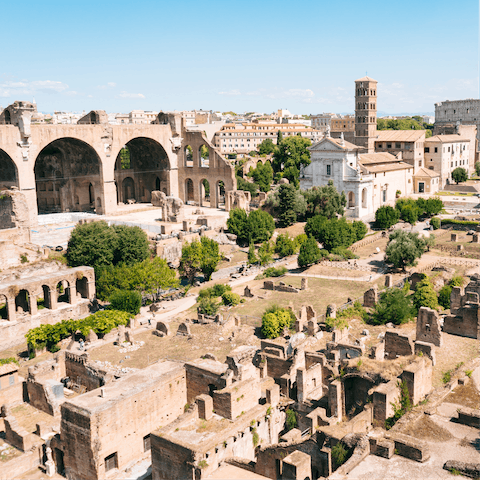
{"points": [[220, 288], [275, 319], [126, 301], [452, 221], [6, 361], [460, 175], [230, 299], [400, 408], [291, 419], [299, 241], [284, 245], [100, 322], [252, 257], [309, 253], [275, 272], [339, 454], [457, 281], [386, 216], [265, 253], [207, 306], [477, 169], [404, 248], [425, 295], [395, 306], [256, 227], [345, 253], [444, 296], [435, 222]]}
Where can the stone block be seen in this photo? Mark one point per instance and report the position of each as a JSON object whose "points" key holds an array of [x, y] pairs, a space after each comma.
{"points": [[247, 292], [297, 466], [426, 349], [476, 238], [183, 329], [205, 406], [273, 395], [268, 285], [429, 329], [397, 345], [370, 297], [331, 311]]}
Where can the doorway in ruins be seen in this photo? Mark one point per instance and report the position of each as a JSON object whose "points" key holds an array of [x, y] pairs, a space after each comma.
{"points": [[8, 171], [220, 194], [68, 177], [141, 167], [355, 388], [204, 193], [189, 191]]}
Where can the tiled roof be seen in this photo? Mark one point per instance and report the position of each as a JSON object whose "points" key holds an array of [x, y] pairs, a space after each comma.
{"points": [[399, 135], [8, 368], [379, 157], [366, 79], [388, 167], [447, 138], [426, 172]]}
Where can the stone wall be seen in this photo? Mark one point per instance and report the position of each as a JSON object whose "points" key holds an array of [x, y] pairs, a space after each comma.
{"points": [[204, 376], [397, 345], [239, 397], [82, 373]]}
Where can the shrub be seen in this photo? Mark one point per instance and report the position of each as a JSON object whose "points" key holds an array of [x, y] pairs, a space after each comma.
{"points": [[220, 288], [100, 322], [457, 281], [386, 216], [6, 361], [339, 454], [309, 253], [400, 408], [230, 299], [355, 311], [291, 419], [275, 272], [265, 253], [435, 222], [425, 295], [460, 175], [395, 306], [207, 306], [284, 245], [299, 241], [444, 296], [252, 258], [452, 221], [275, 319], [127, 301], [344, 252]]}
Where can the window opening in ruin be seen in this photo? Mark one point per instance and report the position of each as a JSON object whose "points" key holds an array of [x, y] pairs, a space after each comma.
{"points": [[22, 302], [205, 193], [8, 118], [157, 184], [8, 171], [82, 287], [128, 190], [46, 300], [147, 443], [204, 154], [63, 289], [188, 156], [189, 190], [111, 462], [3, 307], [351, 199], [220, 193]]}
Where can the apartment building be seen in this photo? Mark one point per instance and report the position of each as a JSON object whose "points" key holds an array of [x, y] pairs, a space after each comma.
{"points": [[245, 137], [410, 143]]}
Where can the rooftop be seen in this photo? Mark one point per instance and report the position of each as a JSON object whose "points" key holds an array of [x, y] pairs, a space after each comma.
{"points": [[425, 172], [447, 138], [400, 135], [366, 79]]}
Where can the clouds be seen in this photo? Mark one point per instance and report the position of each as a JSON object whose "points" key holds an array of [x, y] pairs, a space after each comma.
{"points": [[231, 93], [131, 95], [9, 88], [107, 86]]}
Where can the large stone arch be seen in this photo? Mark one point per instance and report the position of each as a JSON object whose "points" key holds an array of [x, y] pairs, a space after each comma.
{"points": [[66, 170], [355, 391], [8, 171], [148, 165]]}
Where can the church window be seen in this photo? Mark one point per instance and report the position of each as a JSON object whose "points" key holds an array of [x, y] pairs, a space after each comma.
{"points": [[329, 169]]}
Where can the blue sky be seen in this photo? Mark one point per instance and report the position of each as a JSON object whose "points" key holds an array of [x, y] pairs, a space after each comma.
{"points": [[243, 56]]}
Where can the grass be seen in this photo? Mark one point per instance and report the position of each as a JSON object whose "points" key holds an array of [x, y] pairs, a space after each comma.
{"points": [[456, 194]]}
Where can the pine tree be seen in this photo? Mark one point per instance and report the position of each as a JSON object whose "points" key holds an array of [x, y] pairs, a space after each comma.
{"points": [[287, 214], [279, 137]]}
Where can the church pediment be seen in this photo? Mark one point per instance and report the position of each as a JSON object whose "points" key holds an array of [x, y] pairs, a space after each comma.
{"points": [[325, 144]]}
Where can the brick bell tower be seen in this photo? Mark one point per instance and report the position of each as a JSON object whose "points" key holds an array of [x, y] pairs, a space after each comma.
{"points": [[366, 113]]}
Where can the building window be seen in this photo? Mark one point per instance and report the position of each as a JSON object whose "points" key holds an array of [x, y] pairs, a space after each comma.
{"points": [[111, 462], [436, 149], [146, 443], [398, 145], [389, 145], [329, 169], [11, 380], [427, 149], [384, 196]]}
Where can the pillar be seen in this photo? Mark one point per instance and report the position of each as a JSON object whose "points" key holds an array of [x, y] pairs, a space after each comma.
{"points": [[32, 303], [11, 313], [72, 293]]}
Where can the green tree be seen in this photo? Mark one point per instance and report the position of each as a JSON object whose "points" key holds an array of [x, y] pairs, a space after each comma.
{"points": [[477, 169], [191, 260], [260, 226], [460, 175], [279, 137], [266, 147], [265, 253], [425, 295], [334, 232], [132, 245], [127, 301], [298, 205], [275, 319], [444, 296], [230, 299], [287, 216], [210, 257], [247, 186], [207, 306], [290, 156], [386, 216], [394, 306], [284, 245], [309, 252], [237, 222], [404, 248], [92, 244], [263, 176], [325, 201], [436, 223], [252, 258], [204, 151], [125, 162], [433, 206]]}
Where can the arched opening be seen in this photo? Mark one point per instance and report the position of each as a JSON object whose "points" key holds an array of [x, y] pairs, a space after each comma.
{"points": [[204, 193], [188, 156], [8, 118], [82, 287], [3, 307], [64, 171], [204, 155], [220, 193], [46, 300], [22, 302], [63, 292], [364, 198], [128, 189], [356, 394], [8, 171], [189, 193], [146, 163], [351, 199]]}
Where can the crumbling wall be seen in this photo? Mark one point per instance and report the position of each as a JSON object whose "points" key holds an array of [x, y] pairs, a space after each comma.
{"points": [[80, 372], [239, 397]]}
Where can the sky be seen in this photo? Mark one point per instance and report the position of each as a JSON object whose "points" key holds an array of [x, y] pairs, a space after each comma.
{"points": [[240, 56]]}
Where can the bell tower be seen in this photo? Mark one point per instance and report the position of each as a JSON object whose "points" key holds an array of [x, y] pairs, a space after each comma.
{"points": [[366, 113]]}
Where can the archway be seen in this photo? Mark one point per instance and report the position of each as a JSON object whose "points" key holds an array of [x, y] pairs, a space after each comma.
{"points": [[364, 198], [189, 192], [188, 156], [82, 287], [220, 193], [204, 193], [356, 393], [46, 300], [3, 307], [63, 292], [128, 189], [8, 171], [204, 155], [22, 302], [146, 163], [351, 199], [64, 171], [8, 118]]}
